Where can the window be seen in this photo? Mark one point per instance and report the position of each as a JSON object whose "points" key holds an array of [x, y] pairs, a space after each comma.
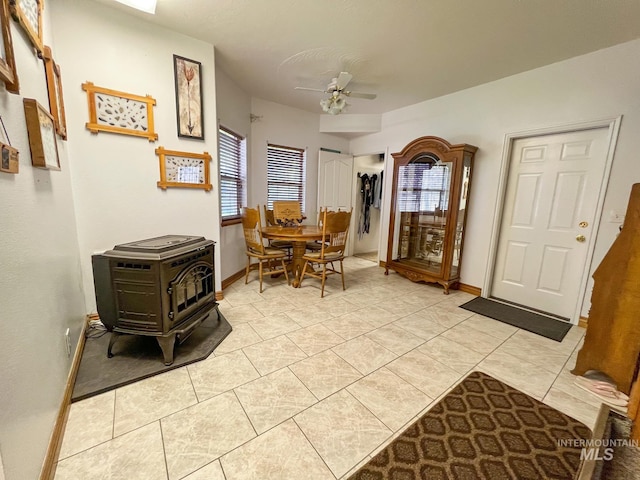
{"points": [[233, 175], [285, 174]]}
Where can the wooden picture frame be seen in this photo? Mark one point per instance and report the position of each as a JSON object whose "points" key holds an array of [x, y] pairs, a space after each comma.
{"points": [[184, 169], [42, 135], [9, 160], [8, 72], [54, 88], [28, 13], [188, 82], [119, 112]]}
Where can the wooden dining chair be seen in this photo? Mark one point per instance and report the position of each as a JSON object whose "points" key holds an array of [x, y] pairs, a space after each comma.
{"points": [[252, 228], [287, 212], [335, 230], [316, 245], [281, 244]]}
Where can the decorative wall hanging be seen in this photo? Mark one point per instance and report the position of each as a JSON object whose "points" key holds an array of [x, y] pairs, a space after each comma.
{"points": [[54, 87], [9, 159], [183, 169], [119, 112], [42, 135], [28, 13], [8, 73], [188, 79]]}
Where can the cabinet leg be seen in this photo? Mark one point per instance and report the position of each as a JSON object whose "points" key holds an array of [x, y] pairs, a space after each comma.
{"points": [[167, 344]]}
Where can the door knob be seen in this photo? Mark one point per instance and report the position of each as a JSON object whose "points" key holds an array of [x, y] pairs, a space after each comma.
{"points": [[581, 238]]}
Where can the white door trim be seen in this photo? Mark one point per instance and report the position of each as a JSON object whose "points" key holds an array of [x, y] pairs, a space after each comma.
{"points": [[384, 205], [613, 124]]}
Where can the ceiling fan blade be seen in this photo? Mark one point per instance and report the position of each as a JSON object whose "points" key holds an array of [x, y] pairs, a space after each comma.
{"points": [[343, 79], [368, 96], [311, 89]]}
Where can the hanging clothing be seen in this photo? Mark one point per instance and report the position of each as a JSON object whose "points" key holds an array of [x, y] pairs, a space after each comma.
{"points": [[377, 193], [367, 187]]}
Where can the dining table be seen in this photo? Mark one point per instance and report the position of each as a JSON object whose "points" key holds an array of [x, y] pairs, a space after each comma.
{"points": [[298, 236]]}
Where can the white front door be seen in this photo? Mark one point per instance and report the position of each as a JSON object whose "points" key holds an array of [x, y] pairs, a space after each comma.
{"points": [[549, 210]]}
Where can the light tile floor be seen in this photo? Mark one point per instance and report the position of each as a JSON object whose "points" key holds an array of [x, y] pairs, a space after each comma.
{"points": [[310, 388]]}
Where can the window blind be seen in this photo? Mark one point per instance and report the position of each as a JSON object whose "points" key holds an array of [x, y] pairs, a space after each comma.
{"points": [[423, 187], [285, 174], [232, 155]]}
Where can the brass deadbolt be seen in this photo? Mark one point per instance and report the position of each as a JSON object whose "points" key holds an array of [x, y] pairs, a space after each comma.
{"points": [[583, 224]]}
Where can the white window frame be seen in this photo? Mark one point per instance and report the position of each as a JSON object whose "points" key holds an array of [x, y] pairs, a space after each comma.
{"points": [[232, 155]]}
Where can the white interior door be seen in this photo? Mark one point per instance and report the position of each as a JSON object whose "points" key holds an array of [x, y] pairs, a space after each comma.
{"points": [[335, 172], [549, 210]]}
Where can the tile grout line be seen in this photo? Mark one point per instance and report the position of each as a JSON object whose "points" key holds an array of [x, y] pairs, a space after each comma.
{"points": [[164, 450]]}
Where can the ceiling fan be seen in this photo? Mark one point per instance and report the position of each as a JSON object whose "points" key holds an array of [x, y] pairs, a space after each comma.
{"points": [[337, 101]]}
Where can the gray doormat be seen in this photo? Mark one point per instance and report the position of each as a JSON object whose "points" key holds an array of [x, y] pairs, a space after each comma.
{"points": [[138, 356], [524, 319]]}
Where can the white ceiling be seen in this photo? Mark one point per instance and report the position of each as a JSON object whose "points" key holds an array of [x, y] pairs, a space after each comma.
{"points": [[405, 51]]}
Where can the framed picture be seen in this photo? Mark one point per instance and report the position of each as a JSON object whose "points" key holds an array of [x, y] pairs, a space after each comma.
{"points": [[9, 161], [42, 135], [119, 112], [28, 13], [54, 87], [183, 169], [188, 79], [8, 73]]}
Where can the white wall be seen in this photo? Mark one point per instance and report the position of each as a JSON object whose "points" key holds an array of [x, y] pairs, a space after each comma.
{"points": [[282, 125], [368, 242], [40, 280], [234, 111], [114, 176], [602, 84]]}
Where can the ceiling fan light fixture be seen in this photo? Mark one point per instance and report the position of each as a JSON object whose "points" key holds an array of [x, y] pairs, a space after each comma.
{"points": [[333, 105]]}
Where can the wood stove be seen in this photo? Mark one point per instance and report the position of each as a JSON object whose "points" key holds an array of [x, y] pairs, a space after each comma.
{"points": [[162, 287]]}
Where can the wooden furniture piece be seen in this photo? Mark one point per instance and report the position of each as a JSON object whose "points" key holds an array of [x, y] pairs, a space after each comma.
{"points": [[335, 230], [288, 214], [633, 409], [281, 244], [612, 341], [252, 228], [431, 185], [316, 245], [298, 236]]}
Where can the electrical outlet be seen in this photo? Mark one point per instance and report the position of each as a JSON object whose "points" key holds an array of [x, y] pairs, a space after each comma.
{"points": [[67, 341]]}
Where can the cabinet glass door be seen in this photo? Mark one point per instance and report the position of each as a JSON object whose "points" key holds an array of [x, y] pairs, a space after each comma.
{"points": [[462, 215], [422, 202]]}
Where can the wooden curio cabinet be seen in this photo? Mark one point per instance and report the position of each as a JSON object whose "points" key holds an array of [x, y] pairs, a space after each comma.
{"points": [[431, 185]]}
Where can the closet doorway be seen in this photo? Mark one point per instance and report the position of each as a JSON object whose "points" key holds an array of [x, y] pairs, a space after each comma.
{"points": [[367, 205]]}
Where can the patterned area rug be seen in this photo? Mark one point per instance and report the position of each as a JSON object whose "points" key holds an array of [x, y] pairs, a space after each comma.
{"points": [[482, 429]]}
